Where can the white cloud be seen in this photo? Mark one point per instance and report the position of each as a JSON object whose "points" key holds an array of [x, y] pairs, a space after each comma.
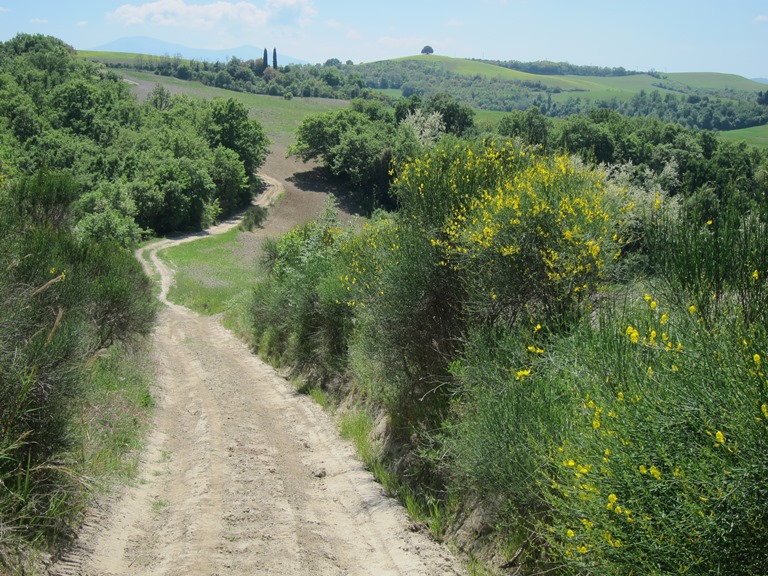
{"points": [[335, 24], [761, 18], [4, 9], [178, 13], [82, 23], [307, 11], [454, 23], [38, 21], [354, 34]]}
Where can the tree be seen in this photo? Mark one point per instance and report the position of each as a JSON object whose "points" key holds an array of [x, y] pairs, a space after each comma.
{"points": [[274, 58], [457, 117], [266, 59], [229, 126], [427, 50]]}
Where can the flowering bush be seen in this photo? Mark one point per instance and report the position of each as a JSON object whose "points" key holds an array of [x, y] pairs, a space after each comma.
{"points": [[663, 467], [524, 231]]}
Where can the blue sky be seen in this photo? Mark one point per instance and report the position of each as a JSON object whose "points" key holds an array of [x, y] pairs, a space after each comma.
{"points": [[668, 36]]}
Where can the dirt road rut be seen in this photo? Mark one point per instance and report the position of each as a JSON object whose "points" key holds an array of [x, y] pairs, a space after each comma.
{"points": [[241, 475]]}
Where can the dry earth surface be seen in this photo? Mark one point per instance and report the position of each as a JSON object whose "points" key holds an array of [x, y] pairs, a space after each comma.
{"points": [[242, 475]]}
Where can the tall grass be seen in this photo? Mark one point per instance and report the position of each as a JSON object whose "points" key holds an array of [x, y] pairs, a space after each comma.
{"points": [[64, 304]]}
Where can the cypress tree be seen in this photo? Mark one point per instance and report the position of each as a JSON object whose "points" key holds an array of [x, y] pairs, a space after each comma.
{"points": [[266, 59], [274, 58]]}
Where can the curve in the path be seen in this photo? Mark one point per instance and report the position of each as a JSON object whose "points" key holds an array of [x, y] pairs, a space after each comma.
{"points": [[242, 475]]}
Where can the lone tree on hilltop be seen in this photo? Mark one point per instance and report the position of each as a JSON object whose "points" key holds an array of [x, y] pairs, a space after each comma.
{"points": [[427, 50]]}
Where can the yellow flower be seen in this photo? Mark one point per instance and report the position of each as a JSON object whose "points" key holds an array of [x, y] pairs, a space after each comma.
{"points": [[756, 358], [612, 498], [692, 309], [764, 410], [583, 549], [653, 304], [647, 297], [520, 374], [719, 437], [655, 472], [620, 396], [664, 318], [643, 469], [570, 534], [756, 275]]}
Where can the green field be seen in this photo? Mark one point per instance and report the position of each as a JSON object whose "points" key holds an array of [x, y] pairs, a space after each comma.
{"points": [[278, 116], [211, 272], [597, 87], [111, 57], [756, 136]]}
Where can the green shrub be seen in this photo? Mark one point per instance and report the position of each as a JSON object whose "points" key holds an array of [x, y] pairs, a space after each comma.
{"points": [[62, 301], [298, 306], [254, 217], [663, 467], [528, 235]]}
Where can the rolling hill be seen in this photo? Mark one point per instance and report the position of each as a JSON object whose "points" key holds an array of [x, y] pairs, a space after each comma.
{"points": [[597, 87]]}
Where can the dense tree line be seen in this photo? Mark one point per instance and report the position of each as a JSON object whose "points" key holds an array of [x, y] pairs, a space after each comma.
{"points": [[257, 76], [692, 111], [695, 164], [172, 163], [561, 68]]}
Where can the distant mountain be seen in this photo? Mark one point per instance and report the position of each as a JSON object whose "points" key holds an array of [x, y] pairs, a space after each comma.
{"points": [[761, 80], [155, 47]]}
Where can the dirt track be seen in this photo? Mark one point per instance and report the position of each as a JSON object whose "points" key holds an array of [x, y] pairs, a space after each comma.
{"points": [[242, 475]]}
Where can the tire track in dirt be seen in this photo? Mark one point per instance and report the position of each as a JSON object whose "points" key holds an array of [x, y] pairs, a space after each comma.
{"points": [[241, 475]]}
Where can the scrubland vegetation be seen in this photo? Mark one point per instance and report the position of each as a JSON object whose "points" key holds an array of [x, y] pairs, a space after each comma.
{"points": [[562, 323], [569, 347]]}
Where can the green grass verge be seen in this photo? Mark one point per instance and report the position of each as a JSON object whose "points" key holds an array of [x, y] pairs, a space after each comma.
{"points": [[211, 273], [114, 414]]}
